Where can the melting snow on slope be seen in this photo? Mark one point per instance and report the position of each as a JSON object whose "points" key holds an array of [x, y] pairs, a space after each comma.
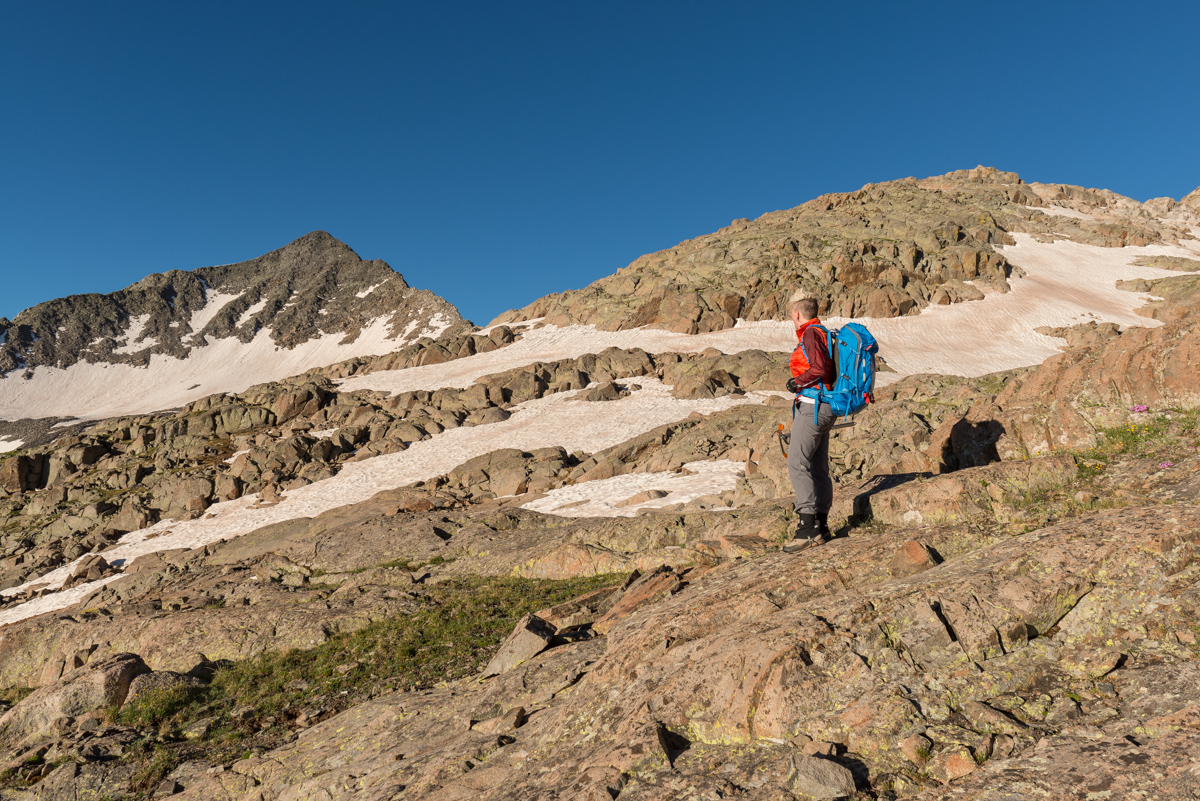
{"points": [[552, 343], [213, 306], [1066, 284], [128, 343], [251, 310], [436, 325], [7, 444], [561, 419], [95, 391], [600, 498], [1061, 211], [370, 289]]}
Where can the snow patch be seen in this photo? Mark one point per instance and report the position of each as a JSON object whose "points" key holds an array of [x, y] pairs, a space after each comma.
{"points": [[1061, 211], [251, 310], [436, 325], [515, 326], [7, 444], [371, 289], [211, 309], [1066, 284], [127, 343], [552, 343], [600, 498], [96, 391]]}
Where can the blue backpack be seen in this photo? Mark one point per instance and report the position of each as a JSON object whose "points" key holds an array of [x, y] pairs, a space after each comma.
{"points": [[852, 349]]}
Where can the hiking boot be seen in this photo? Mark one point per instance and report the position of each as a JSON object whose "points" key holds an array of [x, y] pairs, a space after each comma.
{"points": [[823, 526], [807, 534], [796, 546]]}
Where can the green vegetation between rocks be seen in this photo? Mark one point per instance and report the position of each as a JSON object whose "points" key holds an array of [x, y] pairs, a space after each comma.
{"points": [[254, 704], [1160, 437], [11, 695]]}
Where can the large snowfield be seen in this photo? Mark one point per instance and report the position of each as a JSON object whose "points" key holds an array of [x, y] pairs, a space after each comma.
{"points": [[94, 391], [1065, 284]]}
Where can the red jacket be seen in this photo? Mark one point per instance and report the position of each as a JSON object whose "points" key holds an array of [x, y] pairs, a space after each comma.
{"points": [[820, 369]]}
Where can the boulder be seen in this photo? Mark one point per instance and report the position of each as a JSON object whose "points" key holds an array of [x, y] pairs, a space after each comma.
{"points": [[910, 558], [133, 516], [819, 778], [643, 497], [157, 681], [916, 748], [582, 610], [86, 689], [964, 494], [693, 388], [410, 500], [503, 723], [951, 764], [182, 494], [484, 417], [607, 391], [21, 473], [531, 636]]}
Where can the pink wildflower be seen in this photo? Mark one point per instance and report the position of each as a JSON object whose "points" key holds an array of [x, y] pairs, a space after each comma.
{"points": [[1165, 465], [1139, 409]]}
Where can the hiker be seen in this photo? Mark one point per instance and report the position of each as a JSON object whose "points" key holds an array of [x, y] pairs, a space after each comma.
{"points": [[808, 452]]}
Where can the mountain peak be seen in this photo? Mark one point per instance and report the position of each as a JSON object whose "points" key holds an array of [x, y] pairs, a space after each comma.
{"points": [[1192, 199], [314, 294]]}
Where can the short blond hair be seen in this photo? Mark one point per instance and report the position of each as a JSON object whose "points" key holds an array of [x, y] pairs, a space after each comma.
{"points": [[805, 307]]}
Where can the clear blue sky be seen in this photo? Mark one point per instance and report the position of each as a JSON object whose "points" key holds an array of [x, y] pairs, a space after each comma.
{"points": [[496, 152]]}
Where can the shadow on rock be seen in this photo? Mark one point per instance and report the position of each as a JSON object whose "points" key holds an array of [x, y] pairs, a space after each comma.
{"points": [[862, 501]]}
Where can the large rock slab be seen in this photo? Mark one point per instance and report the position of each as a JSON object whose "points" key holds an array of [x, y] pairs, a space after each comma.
{"points": [[530, 637], [159, 681], [718, 688], [964, 494], [86, 689]]}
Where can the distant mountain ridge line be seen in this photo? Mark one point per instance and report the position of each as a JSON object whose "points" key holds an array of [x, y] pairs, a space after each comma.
{"points": [[313, 287]]}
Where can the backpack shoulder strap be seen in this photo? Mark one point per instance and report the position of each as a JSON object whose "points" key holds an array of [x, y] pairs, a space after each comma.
{"points": [[818, 327]]}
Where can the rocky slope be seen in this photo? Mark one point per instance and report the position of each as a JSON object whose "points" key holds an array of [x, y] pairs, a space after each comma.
{"points": [[887, 250], [1009, 609], [970, 630], [962, 651], [308, 304]]}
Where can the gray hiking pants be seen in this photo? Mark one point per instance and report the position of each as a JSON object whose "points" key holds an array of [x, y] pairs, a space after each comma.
{"points": [[808, 459]]}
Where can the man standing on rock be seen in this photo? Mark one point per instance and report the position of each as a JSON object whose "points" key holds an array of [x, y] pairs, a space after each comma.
{"points": [[808, 452]]}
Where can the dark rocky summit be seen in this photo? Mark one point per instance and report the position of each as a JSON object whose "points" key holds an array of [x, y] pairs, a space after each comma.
{"points": [[315, 286]]}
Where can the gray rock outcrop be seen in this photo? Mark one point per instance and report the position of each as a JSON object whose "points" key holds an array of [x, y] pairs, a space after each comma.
{"points": [[85, 689]]}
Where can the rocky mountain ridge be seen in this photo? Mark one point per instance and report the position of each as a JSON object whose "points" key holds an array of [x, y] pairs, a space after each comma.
{"points": [[313, 287], [887, 250]]}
